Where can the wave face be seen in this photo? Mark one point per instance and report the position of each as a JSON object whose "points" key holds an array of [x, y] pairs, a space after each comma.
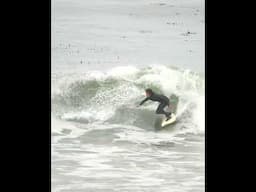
{"points": [[111, 97]]}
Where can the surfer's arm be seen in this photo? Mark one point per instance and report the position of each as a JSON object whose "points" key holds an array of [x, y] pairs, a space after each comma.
{"points": [[141, 103]]}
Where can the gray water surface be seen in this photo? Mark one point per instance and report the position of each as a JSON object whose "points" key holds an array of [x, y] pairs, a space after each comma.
{"points": [[100, 141]]}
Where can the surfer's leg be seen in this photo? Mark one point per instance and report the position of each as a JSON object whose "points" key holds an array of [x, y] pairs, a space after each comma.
{"points": [[160, 110], [169, 113]]}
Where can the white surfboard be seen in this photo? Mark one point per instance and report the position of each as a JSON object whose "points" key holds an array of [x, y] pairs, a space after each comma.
{"points": [[170, 121]]}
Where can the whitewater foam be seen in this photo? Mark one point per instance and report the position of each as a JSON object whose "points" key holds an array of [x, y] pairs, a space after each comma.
{"points": [[102, 96]]}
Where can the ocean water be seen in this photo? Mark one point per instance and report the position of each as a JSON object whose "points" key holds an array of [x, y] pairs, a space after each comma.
{"points": [[104, 54]]}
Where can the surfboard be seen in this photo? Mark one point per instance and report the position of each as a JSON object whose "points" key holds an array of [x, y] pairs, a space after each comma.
{"points": [[170, 121]]}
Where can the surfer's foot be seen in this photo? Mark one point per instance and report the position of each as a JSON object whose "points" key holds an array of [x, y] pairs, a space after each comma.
{"points": [[169, 117]]}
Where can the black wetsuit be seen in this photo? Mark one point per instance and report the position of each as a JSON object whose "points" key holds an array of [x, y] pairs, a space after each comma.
{"points": [[163, 100]]}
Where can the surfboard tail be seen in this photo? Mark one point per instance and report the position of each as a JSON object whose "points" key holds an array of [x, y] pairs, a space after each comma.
{"points": [[170, 121]]}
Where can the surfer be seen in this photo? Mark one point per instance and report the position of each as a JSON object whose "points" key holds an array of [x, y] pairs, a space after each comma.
{"points": [[163, 100]]}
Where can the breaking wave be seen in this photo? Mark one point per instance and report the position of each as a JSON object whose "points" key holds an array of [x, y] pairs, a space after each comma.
{"points": [[112, 96]]}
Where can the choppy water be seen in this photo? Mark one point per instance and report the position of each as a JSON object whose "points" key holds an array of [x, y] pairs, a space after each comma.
{"points": [[102, 142], [104, 54]]}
